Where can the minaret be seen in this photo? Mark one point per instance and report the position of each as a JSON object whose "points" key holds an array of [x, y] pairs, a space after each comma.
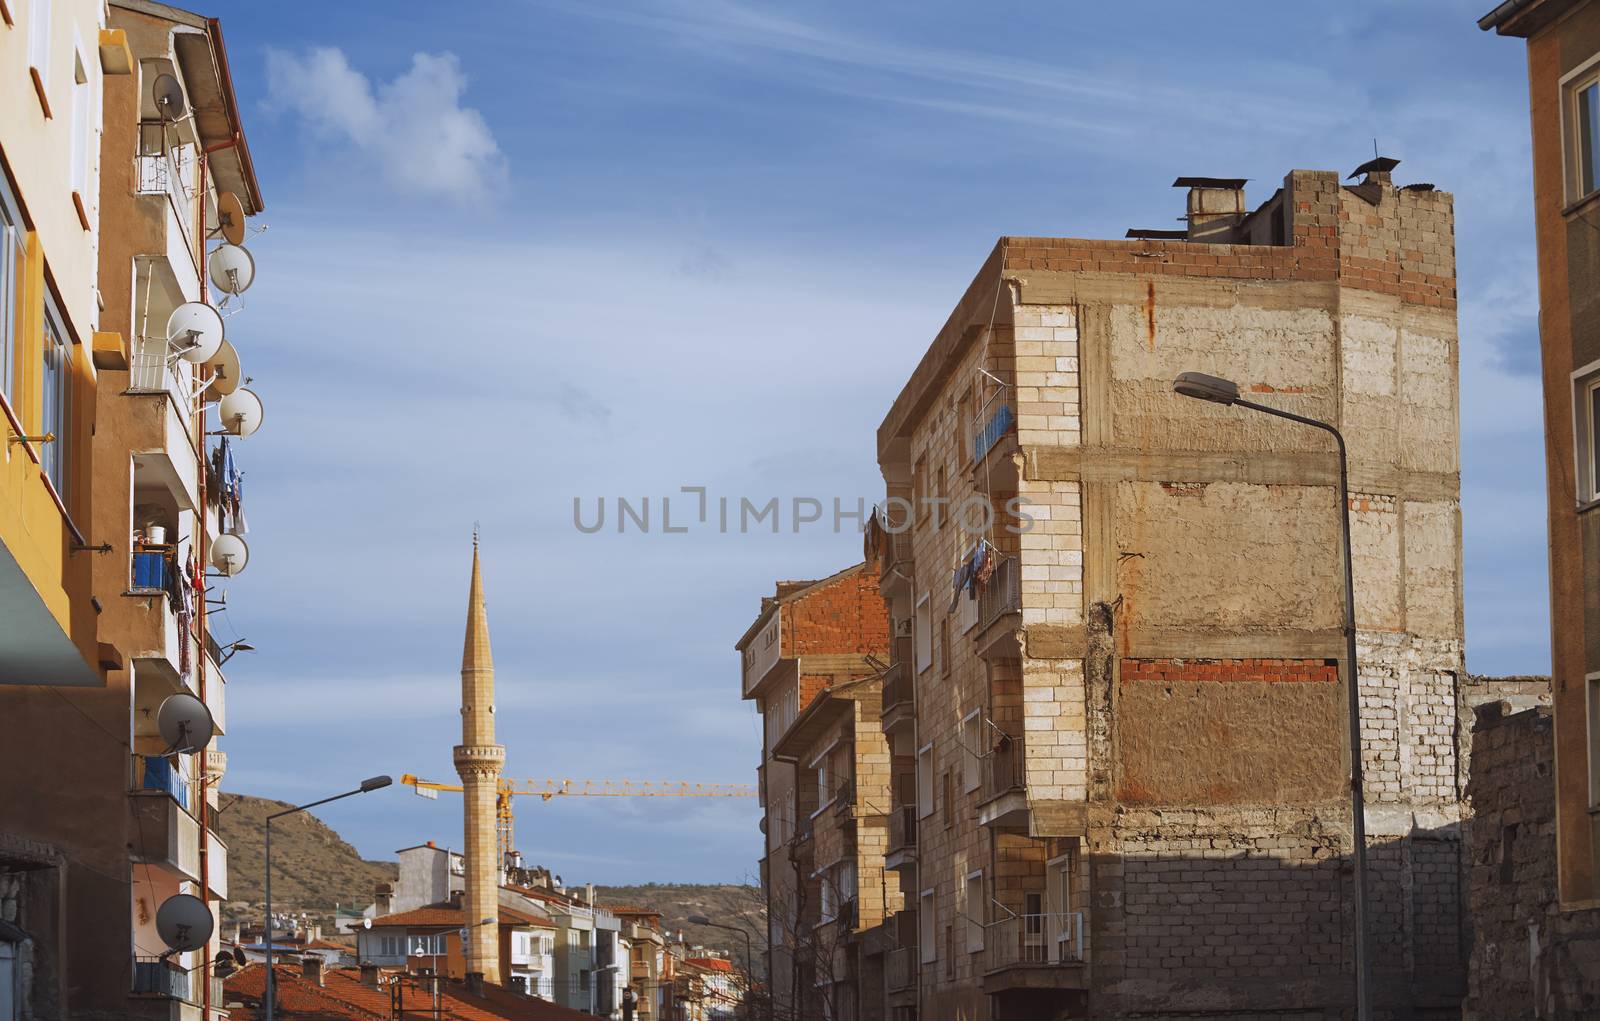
{"points": [[478, 762]]}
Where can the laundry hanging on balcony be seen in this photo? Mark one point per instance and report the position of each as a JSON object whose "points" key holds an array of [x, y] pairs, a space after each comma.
{"points": [[973, 574], [228, 483]]}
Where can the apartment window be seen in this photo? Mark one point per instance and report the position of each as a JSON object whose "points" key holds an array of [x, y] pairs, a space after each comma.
{"points": [[39, 47], [1588, 137], [57, 406], [942, 499], [971, 749], [925, 781], [924, 636], [1586, 429], [975, 911], [12, 260], [425, 945], [919, 488], [949, 951], [83, 131], [948, 789], [944, 645], [388, 946], [1593, 686], [926, 929], [966, 424]]}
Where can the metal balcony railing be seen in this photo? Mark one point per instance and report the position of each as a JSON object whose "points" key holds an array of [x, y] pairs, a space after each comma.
{"points": [[161, 978], [1032, 940], [903, 828], [1003, 593], [1004, 770], [900, 968], [897, 687], [999, 423], [156, 773]]}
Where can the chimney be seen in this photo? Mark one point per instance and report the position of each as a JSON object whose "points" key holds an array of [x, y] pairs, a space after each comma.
{"points": [[383, 898], [369, 975], [588, 894], [475, 983], [311, 968], [1376, 178], [1216, 205]]}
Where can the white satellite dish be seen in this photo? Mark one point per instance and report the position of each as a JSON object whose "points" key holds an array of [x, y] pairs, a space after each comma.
{"points": [[184, 922], [184, 723], [229, 554], [223, 368], [194, 331], [232, 269], [168, 96], [366, 923], [241, 412]]}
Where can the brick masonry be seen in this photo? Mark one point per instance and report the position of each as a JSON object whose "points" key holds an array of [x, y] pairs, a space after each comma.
{"points": [[1263, 670]]}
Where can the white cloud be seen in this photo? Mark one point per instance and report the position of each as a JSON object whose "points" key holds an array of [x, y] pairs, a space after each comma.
{"points": [[413, 130]]}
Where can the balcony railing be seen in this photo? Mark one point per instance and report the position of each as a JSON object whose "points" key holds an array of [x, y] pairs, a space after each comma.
{"points": [[900, 968], [897, 687], [903, 828], [1003, 593], [1004, 770], [1033, 940], [158, 977], [997, 426], [156, 773]]}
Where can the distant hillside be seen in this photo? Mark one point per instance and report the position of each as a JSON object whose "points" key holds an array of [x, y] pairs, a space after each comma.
{"points": [[743, 907], [313, 868]]}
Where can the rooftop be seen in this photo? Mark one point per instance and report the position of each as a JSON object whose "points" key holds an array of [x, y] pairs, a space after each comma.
{"points": [[344, 996]]}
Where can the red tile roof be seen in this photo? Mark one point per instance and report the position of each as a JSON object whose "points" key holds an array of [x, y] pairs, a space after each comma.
{"points": [[627, 909], [710, 963], [344, 997]]}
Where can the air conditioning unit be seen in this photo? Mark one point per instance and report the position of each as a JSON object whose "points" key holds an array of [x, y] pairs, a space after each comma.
{"points": [[902, 627]]}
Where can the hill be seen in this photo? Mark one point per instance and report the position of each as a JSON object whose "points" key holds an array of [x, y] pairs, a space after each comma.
{"points": [[313, 868], [742, 907]]}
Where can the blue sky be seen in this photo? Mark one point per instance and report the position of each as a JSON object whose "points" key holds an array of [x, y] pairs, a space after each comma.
{"points": [[525, 252]]}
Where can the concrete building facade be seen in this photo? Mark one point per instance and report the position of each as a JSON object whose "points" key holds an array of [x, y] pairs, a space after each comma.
{"points": [[1118, 719], [813, 661], [130, 822]]}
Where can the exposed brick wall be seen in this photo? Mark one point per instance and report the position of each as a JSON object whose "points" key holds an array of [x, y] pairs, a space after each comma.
{"points": [[843, 615], [1270, 670]]}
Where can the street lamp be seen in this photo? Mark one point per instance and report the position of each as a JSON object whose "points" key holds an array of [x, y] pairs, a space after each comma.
{"points": [[372, 783], [1225, 391], [749, 960]]}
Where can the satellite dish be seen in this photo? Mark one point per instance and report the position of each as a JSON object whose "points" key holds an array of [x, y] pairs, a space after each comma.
{"points": [[184, 922], [185, 723], [366, 923], [229, 554], [232, 269], [223, 368], [230, 218], [194, 331], [241, 412], [168, 95]]}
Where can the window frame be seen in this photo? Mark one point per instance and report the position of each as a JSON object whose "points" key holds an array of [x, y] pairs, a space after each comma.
{"points": [[927, 927], [1572, 85], [55, 416], [1591, 685], [971, 757], [925, 771], [1586, 434], [13, 262], [922, 633], [39, 47], [975, 924]]}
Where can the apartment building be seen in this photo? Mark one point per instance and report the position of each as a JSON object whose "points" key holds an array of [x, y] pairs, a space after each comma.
{"points": [[650, 970], [1536, 875], [99, 252], [812, 661], [1119, 726]]}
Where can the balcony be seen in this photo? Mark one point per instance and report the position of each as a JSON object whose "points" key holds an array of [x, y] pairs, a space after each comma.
{"points": [[1035, 952], [216, 867], [153, 976], [899, 699], [900, 968], [902, 850], [1003, 594], [165, 834], [1005, 795], [998, 424], [762, 652]]}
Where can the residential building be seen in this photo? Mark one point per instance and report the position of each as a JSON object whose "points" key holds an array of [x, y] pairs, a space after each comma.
{"points": [[311, 991], [1536, 853], [720, 986], [131, 824], [429, 938], [1120, 721], [812, 661], [649, 980]]}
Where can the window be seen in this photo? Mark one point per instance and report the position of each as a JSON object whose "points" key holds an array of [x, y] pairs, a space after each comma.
{"points": [[83, 130], [925, 781], [12, 260], [948, 789], [57, 392], [1580, 103], [1593, 686], [926, 928], [425, 945], [975, 911], [924, 635], [942, 499], [1586, 430], [949, 951], [919, 488], [389, 946], [39, 45], [944, 645], [971, 749]]}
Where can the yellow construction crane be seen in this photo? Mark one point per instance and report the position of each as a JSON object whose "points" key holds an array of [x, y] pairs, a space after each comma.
{"points": [[550, 789]]}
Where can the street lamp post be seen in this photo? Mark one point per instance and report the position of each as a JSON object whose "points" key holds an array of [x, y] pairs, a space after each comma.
{"points": [[1223, 391], [748, 959], [369, 784]]}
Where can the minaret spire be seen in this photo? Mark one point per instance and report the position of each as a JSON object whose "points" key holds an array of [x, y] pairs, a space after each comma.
{"points": [[478, 761]]}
